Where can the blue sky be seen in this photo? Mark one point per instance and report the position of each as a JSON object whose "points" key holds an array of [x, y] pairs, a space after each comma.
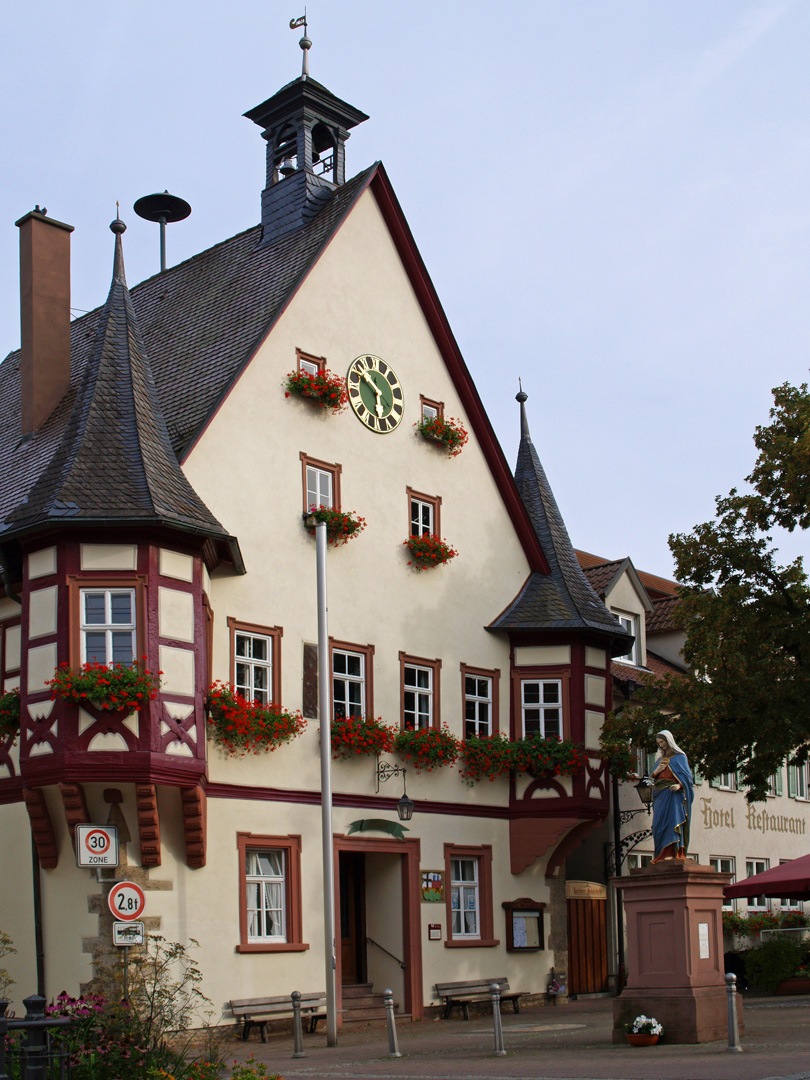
{"points": [[612, 198]]}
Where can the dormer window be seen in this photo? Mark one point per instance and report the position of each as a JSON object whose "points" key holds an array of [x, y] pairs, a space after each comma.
{"points": [[630, 625]]}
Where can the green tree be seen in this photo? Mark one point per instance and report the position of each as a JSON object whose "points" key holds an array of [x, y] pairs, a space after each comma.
{"points": [[744, 703]]}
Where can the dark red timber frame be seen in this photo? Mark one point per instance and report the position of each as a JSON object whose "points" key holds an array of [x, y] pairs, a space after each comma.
{"points": [[291, 846], [409, 850], [528, 674]]}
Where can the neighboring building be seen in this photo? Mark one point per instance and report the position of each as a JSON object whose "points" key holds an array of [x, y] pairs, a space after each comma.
{"points": [[153, 479], [726, 832]]}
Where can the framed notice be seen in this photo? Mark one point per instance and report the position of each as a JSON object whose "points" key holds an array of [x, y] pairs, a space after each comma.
{"points": [[524, 925], [433, 886]]}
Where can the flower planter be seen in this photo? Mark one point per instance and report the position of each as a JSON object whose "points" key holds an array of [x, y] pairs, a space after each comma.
{"points": [[447, 432], [428, 551], [794, 986], [642, 1039], [341, 525], [324, 390]]}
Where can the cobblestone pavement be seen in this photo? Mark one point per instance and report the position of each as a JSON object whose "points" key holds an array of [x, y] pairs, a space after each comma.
{"points": [[567, 1042]]}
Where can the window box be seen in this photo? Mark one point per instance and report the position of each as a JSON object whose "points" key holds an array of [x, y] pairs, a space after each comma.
{"points": [[428, 551], [324, 389], [10, 713], [353, 736], [486, 758], [113, 688], [240, 726], [428, 748], [541, 757], [341, 525], [449, 433]]}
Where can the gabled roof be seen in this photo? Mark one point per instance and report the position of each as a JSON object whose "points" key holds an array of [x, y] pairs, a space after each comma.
{"points": [[114, 461], [561, 599], [663, 617], [602, 574], [203, 321], [603, 577]]}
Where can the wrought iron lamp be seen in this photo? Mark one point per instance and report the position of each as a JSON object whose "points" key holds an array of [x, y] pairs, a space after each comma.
{"points": [[385, 770]]}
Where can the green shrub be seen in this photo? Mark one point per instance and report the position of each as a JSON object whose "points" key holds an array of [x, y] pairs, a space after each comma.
{"points": [[775, 960]]}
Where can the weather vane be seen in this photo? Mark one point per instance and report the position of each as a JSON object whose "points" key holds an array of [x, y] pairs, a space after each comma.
{"points": [[305, 43]]}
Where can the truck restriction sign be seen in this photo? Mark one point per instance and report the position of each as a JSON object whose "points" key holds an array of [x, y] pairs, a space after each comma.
{"points": [[126, 901], [96, 845]]}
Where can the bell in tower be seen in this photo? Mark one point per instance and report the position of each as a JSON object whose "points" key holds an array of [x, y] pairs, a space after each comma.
{"points": [[306, 128]]}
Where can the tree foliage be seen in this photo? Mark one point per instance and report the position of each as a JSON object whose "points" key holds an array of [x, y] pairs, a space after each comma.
{"points": [[744, 703]]}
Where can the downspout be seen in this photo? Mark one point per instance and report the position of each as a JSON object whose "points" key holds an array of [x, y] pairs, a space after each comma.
{"points": [[39, 941]]}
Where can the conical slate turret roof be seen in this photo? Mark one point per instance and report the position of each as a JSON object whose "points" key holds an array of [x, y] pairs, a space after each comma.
{"points": [[563, 598], [114, 463]]}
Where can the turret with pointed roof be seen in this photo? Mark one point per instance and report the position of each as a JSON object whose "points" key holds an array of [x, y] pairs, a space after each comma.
{"points": [[114, 464], [562, 599]]}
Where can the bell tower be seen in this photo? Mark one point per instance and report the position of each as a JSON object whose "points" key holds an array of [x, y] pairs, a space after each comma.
{"points": [[306, 128]]}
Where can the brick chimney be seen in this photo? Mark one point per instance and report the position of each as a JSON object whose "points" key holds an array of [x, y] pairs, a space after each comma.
{"points": [[44, 316]]}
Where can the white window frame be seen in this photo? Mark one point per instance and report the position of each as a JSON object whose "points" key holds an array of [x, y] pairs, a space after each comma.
{"points": [[637, 860], [475, 703], [257, 915], [422, 517], [726, 781], [248, 688], [631, 624], [309, 367], [798, 781], [725, 864], [541, 707], [316, 496], [429, 412], [342, 703], [465, 898], [108, 627], [788, 903], [417, 701], [752, 867]]}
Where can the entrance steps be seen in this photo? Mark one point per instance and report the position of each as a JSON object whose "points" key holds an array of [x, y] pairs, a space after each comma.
{"points": [[362, 1006]]}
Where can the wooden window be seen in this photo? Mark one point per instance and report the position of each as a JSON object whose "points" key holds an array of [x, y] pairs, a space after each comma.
{"points": [[321, 481], [430, 409], [255, 660], [630, 625], [419, 690], [724, 864], [310, 365], [636, 860], [757, 866], [423, 513], [469, 896], [541, 707], [351, 667], [270, 910], [797, 780], [479, 693], [119, 601]]}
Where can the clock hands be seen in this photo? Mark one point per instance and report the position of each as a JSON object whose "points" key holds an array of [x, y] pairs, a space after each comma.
{"points": [[379, 408]]}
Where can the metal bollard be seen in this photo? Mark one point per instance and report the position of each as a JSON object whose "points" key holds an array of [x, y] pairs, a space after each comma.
{"points": [[733, 1029], [393, 1045], [496, 1020], [36, 1050], [298, 1031]]}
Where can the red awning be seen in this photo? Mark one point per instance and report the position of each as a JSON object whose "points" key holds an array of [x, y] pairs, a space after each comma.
{"points": [[791, 880]]}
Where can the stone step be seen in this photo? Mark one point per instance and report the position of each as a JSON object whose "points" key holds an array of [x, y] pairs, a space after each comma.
{"points": [[358, 990]]}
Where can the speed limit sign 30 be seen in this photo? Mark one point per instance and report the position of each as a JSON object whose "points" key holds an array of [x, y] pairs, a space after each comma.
{"points": [[126, 901], [96, 845]]}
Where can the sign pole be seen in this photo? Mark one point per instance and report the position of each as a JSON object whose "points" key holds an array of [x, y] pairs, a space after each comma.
{"points": [[126, 973]]}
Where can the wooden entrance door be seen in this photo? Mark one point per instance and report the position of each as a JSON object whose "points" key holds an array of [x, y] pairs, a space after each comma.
{"points": [[352, 917], [587, 947]]}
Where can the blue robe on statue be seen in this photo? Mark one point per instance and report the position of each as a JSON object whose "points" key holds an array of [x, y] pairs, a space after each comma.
{"points": [[672, 809]]}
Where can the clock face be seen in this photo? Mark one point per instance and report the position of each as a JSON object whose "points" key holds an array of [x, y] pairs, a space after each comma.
{"points": [[375, 393]]}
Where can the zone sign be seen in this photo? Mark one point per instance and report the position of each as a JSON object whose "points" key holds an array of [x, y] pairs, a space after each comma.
{"points": [[126, 901], [96, 845]]}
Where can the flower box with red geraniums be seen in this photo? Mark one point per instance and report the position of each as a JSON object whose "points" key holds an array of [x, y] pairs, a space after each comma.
{"points": [[427, 748], [428, 551], [122, 686], [249, 727], [541, 757], [445, 430], [326, 390], [341, 525], [9, 713], [485, 758], [355, 735]]}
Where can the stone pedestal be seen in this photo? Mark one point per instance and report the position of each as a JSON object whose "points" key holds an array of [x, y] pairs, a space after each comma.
{"points": [[675, 951]]}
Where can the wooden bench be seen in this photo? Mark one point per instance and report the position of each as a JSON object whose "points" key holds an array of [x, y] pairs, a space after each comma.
{"points": [[462, 994], [256, 1012]]}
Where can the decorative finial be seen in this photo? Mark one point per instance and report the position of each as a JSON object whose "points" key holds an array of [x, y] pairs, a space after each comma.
{"points": [[521, 397], [305, 43], [117, 226]]}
